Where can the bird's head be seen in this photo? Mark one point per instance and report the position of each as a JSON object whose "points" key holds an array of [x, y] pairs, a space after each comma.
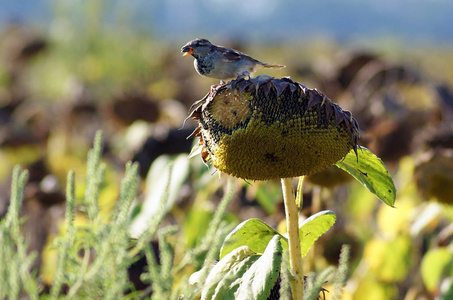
{"points": [[198, 47]]}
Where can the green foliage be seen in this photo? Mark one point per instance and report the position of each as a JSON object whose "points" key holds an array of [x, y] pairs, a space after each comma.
{"points": [[253, 233], [222, 279], [94, 256], [259, 279], [256, 234], [338, 275], [285, 276], [244, 274], [207, 253], [370, 171], [95, 176], [59, 276], [341, 275], [313, 227], [254, 237], [15, 276], [314, 283], [160, 274], [84, 55]]}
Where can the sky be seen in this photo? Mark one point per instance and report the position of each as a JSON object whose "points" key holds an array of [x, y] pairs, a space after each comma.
{"points": [[417, 21]]}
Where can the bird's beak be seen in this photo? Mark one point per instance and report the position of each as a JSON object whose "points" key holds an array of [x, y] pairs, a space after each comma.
{"points": [[186, 50]]}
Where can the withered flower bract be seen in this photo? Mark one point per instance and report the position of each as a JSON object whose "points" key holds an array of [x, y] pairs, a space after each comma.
{"points": [[267, 128]]}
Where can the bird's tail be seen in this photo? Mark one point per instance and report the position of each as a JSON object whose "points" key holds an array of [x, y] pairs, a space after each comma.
{"points": [[273, 66]]}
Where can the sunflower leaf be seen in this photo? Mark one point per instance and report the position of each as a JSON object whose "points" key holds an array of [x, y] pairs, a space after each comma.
{"points": [[371, 172]]}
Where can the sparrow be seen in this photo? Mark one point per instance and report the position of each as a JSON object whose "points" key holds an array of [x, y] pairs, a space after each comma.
{"points": [[222, 63]]}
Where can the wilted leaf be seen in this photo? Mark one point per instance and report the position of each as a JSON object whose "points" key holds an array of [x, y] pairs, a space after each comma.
{"points": [[259, 280], [225, 278]]}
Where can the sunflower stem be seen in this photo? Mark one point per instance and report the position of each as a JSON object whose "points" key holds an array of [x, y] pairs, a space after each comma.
{"points": [[292, 223], [300, 193]]}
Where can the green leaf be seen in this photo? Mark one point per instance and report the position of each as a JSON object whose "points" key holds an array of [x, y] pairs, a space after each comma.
{"points": [[242, 274], [312, 228], [370, 171], [226, 276], [253, 233], [256, 234], [260, 278]]}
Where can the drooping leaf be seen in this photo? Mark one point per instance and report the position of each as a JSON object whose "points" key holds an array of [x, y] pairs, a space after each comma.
{"points": [[226, 276], [243, 274], [260, 278], [370, 171], [253, 233]]}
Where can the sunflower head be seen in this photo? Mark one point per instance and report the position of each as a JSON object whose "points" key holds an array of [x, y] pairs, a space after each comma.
{"points": [[434, 175], [266, 128]]}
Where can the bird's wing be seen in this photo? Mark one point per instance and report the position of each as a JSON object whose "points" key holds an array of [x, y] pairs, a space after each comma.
{"points": [[231, 55]]}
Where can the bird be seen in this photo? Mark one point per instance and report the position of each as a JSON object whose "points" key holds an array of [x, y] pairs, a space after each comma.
{"points": [[222, 63]]}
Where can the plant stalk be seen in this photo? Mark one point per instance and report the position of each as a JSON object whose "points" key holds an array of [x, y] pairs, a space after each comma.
{"points": [[292, 223]]}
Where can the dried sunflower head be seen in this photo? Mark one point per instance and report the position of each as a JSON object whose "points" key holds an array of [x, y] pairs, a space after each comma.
{"points": [[267, 128], [434, 175]]}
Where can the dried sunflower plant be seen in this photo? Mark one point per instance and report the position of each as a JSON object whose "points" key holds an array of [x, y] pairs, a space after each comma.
{"points": [[266, 128]]}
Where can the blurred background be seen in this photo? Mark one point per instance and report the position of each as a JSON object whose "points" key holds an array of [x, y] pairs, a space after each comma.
{"points": [[70, 68]]}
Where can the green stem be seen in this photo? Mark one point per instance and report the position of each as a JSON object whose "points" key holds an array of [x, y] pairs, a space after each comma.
{"points": [[292, 223]]}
